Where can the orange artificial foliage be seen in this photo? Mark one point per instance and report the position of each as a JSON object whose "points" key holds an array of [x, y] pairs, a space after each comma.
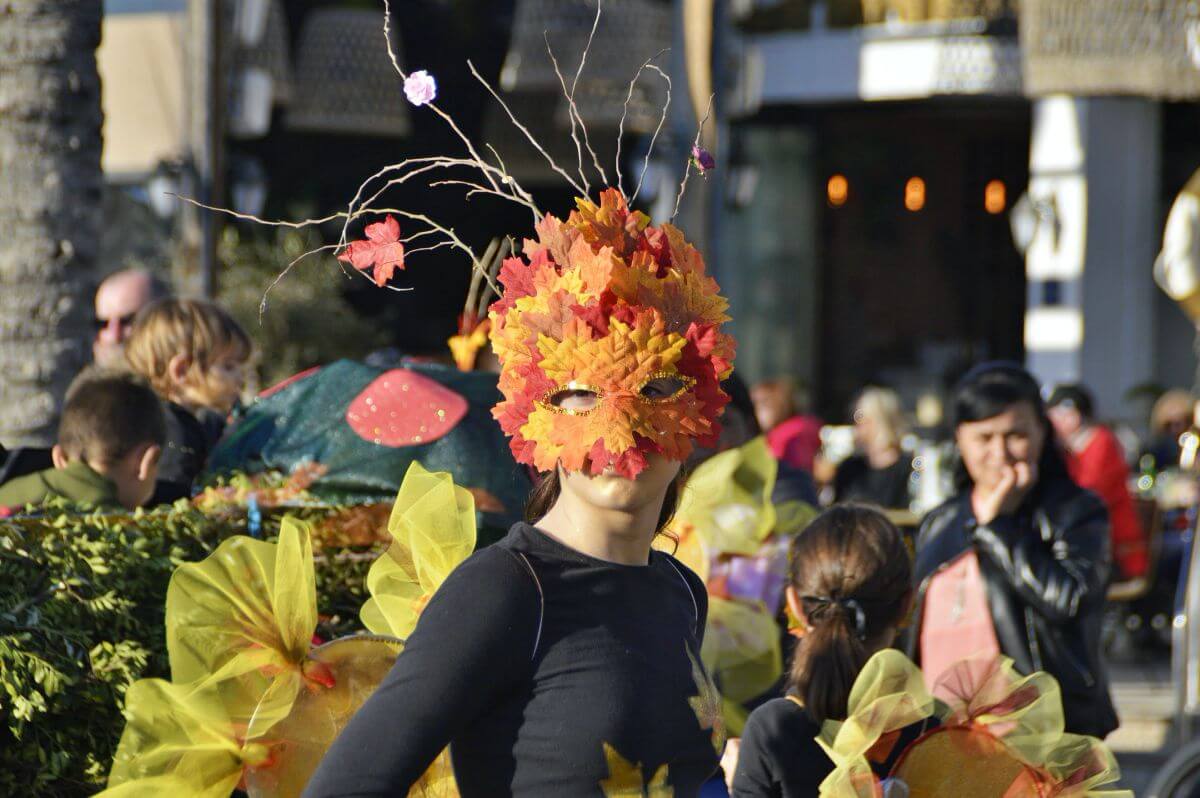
{"points": [[605, 303], [381, 251]]}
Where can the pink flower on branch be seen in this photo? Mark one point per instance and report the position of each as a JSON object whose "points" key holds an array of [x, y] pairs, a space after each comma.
{"points": [[420, 87], [382, 251], [702, 159]]}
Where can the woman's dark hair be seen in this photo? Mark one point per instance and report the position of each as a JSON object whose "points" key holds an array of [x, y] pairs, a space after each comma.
{"points": [[988, 390], [1076, 396], [545, 493], [852, 572]]}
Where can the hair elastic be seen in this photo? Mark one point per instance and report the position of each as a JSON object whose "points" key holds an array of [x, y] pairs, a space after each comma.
{"points": [[848, 605]]}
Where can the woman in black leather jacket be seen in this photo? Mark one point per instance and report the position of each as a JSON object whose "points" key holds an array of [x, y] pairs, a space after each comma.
{"points": [[1018, 560]]}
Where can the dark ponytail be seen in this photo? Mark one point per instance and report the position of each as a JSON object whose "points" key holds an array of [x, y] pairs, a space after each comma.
{"points": [[852, 571]]}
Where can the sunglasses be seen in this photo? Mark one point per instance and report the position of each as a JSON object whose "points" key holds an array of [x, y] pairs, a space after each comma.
{"points": [[99, 324]]}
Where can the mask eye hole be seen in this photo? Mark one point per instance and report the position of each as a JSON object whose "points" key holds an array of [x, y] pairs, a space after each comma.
{"points": [[574, 399], [665, 387]]}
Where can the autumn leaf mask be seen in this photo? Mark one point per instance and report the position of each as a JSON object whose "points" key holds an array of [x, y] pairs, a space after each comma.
{"points": [[610, 344]]}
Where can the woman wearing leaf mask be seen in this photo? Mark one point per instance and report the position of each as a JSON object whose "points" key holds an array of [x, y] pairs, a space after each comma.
{"points": [[564, 660]]}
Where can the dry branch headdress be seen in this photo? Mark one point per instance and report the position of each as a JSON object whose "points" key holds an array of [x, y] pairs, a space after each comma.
{"points": [[607, 328]]}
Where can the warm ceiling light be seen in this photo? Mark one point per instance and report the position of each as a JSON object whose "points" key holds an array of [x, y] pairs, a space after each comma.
{"points": [[838, 190], [914, 194], [995, 197]]}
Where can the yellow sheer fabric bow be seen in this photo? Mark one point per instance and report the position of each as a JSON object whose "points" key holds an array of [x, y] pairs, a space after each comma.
{"points": [[727, 500], [179, 740], [741, 652], [726, 514], [999, 735], [433, 530], [241, 622], [252, 703]]}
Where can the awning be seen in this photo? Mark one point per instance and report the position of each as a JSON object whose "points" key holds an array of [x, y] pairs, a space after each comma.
{"points": [[141, 64], [1111, 47]]}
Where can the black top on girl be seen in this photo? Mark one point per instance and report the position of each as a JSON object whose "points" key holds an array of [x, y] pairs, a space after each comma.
{"points": [[563, 660], [850, 587]]}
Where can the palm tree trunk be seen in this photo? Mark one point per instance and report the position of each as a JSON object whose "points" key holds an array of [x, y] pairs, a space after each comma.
{"points": [[50, 186]]}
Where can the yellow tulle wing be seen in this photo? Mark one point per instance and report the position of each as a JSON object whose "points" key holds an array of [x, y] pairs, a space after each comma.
{"points": [[1000, 733], [852, 780], [792, 517], [1023, 711], [178, 735], [342, 675], [433, 530], [1085, 768], [741, 652], [728, 499], [889, 694], [250, 606]]}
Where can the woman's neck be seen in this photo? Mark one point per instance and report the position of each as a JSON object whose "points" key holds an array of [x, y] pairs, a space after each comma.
{"points": [[618, 536], [882, 456], [1080, 438]]}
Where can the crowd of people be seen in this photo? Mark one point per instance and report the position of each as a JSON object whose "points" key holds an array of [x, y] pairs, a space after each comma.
{"points": [[567, 655], [138, 423]]}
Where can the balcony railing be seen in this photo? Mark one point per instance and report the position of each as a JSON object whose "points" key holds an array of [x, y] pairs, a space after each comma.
{"points": [[778, 15]]}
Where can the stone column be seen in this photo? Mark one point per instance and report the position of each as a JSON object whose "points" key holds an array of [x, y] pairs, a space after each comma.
{"points": [[1094, 172]]}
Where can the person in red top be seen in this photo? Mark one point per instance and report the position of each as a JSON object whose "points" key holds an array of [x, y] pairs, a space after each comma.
{"points": [[1096, 461], [793, 434]]}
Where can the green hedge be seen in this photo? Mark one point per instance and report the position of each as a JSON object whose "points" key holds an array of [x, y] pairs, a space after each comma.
{"points": [[81, 618]]}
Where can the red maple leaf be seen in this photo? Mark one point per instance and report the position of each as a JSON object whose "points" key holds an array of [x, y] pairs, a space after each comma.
{"points": [[382, 250]]}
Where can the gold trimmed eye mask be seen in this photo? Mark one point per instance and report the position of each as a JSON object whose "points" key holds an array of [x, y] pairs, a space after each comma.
{"points": [[609, 339]]}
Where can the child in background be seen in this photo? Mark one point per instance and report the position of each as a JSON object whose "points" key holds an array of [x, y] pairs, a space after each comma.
{"points": [[110, 440], [194, 355], [850, 587]]}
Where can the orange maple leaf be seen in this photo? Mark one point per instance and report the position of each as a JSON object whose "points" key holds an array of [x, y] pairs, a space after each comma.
{"points": [[381, 251]]}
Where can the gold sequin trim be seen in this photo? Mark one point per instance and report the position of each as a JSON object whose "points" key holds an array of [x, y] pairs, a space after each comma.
{"points": [[686, 384], [547, 400]]}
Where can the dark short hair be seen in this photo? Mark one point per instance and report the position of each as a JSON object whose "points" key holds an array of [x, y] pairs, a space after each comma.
{"points": [[107, 415], [990, 389], [1073, 395]]}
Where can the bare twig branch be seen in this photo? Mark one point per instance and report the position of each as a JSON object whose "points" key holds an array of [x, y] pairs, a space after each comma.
{"points": [[587, 48], [625, 113], [262, 305], [654, 139], [485, 298], [572, 114], [477, 277], [525, 130], [387, 17], [687, 170], [249, 218]]}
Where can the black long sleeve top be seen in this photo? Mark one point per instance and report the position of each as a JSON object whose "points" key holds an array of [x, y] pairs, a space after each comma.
{"points": [[548, 672], [780, 756]]}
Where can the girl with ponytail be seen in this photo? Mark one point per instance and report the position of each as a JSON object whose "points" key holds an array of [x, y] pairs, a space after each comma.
{"points": [[850, 588]]}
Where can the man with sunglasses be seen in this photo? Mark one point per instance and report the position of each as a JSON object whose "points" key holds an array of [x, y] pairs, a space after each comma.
{"points": [[118, 299]]}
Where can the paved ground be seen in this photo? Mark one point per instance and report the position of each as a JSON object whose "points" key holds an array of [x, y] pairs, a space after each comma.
{"points": [[1145, 700]]}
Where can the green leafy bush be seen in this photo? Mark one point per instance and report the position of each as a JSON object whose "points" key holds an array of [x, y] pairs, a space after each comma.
{"points": [[82, 600]]}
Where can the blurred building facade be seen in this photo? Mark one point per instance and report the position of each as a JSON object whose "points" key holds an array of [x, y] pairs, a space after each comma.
{"points": [[915, 185], [903, 187]]}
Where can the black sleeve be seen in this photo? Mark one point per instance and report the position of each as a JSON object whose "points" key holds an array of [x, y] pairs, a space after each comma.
{"points": [[848, 472], [755, 776], [1056, 577], [472, 645]]}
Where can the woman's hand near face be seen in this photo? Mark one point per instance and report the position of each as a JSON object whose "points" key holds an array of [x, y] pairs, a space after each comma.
{"points": [[1016, 480]]}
